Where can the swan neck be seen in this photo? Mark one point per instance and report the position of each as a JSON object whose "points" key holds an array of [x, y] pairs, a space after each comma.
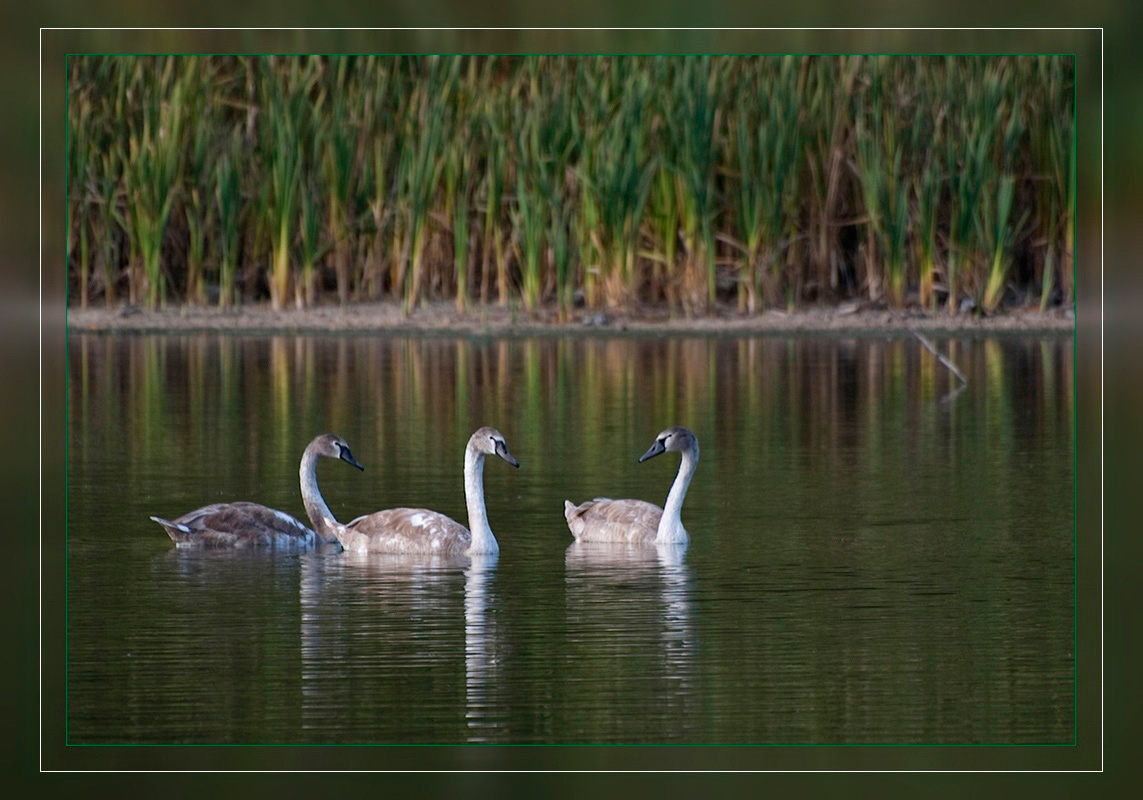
{"points": [[321, 518], [671, 523], [482, 539]]}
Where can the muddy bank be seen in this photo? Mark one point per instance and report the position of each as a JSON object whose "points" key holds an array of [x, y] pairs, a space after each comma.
{"points": [[444, 318]]}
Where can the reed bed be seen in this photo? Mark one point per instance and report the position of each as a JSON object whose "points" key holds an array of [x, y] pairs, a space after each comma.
{"points": [[680, 182]]}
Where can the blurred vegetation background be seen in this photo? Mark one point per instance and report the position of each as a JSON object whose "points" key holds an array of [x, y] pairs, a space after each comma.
{"points": [[554, 181]]}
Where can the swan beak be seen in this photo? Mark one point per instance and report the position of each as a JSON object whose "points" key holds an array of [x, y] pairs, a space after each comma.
{"points": [[656, 449], [502, 451], [348, 458]]}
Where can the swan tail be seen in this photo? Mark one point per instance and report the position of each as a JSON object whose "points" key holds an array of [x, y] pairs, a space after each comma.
{"points": [[571, 514], [178, 533]]}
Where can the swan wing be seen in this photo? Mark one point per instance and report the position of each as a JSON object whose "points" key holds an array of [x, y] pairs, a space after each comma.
{"points": [[240, 524], [405, 530], [604, 520]]}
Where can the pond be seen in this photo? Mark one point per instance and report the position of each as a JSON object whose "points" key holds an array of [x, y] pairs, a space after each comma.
{"points": [[878, 554]]}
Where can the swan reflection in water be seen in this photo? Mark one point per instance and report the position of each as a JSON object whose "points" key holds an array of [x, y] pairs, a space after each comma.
{"points": [[629, 616], [230, 576], [378, 626], [480, 648]]}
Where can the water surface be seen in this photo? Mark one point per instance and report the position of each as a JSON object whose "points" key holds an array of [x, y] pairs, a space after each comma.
{"points": [[877, 555]]}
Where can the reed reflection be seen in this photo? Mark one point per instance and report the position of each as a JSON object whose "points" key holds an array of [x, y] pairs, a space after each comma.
{"points": [[261, 396]]}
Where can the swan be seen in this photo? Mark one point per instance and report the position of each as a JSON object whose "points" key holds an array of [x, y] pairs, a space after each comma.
{"points": [[418, 530], [244, 524], [635, 521]]}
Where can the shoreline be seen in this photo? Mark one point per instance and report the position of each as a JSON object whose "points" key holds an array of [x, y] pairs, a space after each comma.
{"points": [[442, 318]]}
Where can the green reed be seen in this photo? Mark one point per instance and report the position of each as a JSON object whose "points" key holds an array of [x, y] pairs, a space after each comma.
{"points": [[196, 179], [928, 185], [107, 222], [881, 145], [81, 158], [1055, 161], [693, 126], [967, 160], [105, 177], [491, 125], [419, 168], [684, 181], [527, 210], [457, 170], [281, 146], [996, 230], [826, 87], [309, 230], [336, 153], [770, 152], [377, 145], [664, 222], [561, 146], [614, 172], [226, 178], [460, 185], [153, 163]]}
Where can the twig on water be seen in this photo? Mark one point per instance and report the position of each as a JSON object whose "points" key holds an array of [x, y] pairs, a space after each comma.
{"points": [[951, 366]]}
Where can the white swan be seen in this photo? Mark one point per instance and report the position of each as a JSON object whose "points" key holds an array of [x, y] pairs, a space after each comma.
{"points": [[634, 521], [244, 524], [418, 530]]}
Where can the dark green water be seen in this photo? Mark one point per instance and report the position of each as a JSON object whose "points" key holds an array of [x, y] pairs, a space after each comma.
{"points": [[872, 559]]}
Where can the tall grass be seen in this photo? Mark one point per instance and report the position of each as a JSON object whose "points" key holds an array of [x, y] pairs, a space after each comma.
{"points": [[81, 157], [826, 89], [998, 232], [152, 175], [1055, 156], [927, 126], [336, 152], [228, 208], [282, 144], [770, 153], [881, 145], [490, 121], [196, 179], [419, 167], [684, 182], [692, 126], [614, 172]]}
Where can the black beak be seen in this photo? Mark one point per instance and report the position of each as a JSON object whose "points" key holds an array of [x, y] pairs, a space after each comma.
{"points": [[502, 451], [656, 449], [348, 458]]}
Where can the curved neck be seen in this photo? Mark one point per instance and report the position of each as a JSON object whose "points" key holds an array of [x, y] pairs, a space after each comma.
{"points": [[482, 539], [321, 518], [671, 523]]}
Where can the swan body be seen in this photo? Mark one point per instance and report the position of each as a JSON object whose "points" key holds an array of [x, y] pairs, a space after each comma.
{"points": [[636, 521], [243, 524], [418, 530], [238, 524]]}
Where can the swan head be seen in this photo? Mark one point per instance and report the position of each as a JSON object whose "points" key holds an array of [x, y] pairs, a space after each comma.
{"points": [[676, 439], [491, 442], [332, 446]]}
